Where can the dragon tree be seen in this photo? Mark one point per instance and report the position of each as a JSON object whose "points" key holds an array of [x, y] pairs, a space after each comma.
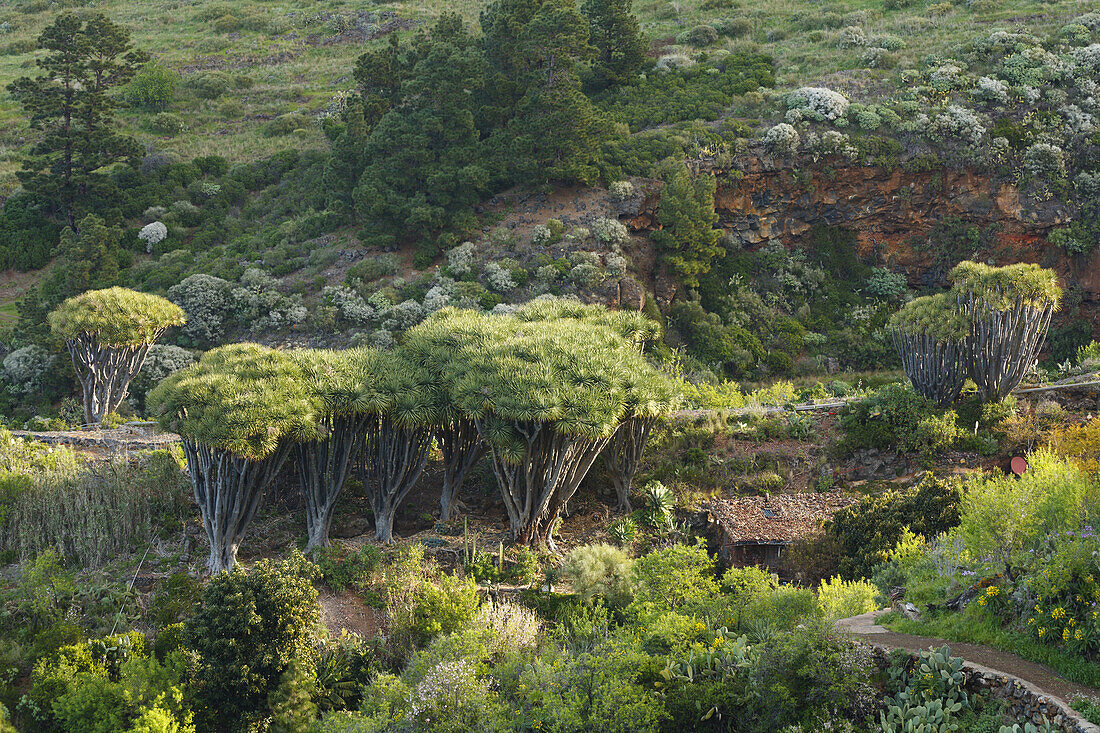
{"points": [[397, 435], [624, 451], [1009, 310], [108, 334], [238, 411], [929, 334], [547, 397], [431, 346], [336, 379]]}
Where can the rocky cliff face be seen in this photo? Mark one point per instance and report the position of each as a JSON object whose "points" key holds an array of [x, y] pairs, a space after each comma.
{"points": [[892, 212]]}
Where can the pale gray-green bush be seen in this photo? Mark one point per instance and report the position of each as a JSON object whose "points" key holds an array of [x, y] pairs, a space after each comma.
{"points": [[600, 571]]}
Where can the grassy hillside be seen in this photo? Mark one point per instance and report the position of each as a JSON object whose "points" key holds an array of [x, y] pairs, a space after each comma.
{"points": [[242, 64]]}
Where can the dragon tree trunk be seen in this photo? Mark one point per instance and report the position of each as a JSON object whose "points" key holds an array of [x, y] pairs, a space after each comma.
{"points": [[462, 448], [391, 461], [536, 488], [228, 490], [323, 468], [623, 454]]}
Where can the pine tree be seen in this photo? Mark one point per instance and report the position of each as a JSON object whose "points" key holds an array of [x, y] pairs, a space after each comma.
{"points": [[687, 237], [71, 104], [614, 32], [426, 166], [543, 126]]}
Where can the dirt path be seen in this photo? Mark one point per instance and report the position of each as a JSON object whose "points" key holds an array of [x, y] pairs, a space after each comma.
{"points": [[1041, 677]]}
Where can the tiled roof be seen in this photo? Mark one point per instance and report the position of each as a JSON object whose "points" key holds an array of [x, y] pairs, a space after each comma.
{"points": [[779, 518]]}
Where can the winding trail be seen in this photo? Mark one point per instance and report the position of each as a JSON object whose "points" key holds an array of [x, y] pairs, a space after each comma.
{"points": [[1037, 676]]}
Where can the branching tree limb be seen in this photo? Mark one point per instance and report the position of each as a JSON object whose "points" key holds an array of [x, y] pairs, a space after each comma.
{"points": [[323, 468], [392, 460], [623, 454], [462, 448], [228, 490]]}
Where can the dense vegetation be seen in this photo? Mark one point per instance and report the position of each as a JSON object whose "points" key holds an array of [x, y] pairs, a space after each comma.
{"points": [[436, 309]]}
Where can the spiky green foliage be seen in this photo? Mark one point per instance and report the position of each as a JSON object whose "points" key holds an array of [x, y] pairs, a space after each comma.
{"points": [[108, 334], [990, 326], [432, 350], [116, 317], [241, 398], [929, 336], [634, 326], [239, 410], [937, 316], [545, 395], [1002, 287]]}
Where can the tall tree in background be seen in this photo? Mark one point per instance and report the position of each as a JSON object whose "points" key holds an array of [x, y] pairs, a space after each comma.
{"points": [[687, 237], [70, 103], [425, 169], [614, 32], [544, 126], [108, 334]]}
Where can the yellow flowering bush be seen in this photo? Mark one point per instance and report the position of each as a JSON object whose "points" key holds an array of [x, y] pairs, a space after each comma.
{"points": [[1068, 609]]}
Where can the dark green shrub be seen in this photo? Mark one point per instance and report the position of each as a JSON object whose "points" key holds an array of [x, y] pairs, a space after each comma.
{"points": [[174, 599], [866, 532], [167, 123], [209, 84], [734, 27], [811, 672], [898, 418], [700, 35], [341, 569], [286, 124], [250, 625]]}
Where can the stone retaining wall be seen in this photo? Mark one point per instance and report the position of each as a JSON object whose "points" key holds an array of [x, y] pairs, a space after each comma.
{"points": [[1025, 701]]}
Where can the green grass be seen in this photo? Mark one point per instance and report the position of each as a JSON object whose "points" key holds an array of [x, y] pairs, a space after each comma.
{"points": [[297, 63], [974, 627]]}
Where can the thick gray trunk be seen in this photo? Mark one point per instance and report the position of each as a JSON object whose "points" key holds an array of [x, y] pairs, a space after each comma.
{"points": [[390, 464], [323, 468], [462, 448], [104, 372], [536, 489], [228, 490], [936, 368], [623, 455], [1003, 344]]}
